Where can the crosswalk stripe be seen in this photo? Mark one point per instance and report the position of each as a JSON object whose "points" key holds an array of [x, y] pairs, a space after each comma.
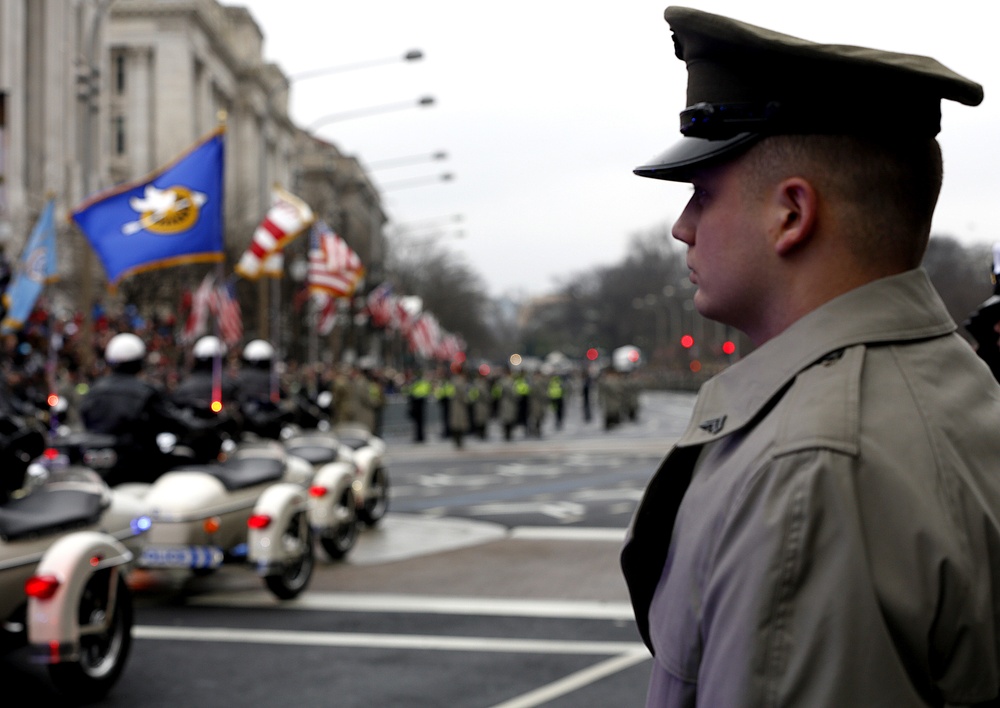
{"points": [[372, 602], [380, 641]]}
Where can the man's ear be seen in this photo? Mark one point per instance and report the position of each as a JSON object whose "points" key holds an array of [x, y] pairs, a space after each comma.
{"points": [[797, 204]]}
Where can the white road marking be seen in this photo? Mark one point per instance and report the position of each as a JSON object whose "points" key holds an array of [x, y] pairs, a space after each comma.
{"points": [[578, 680], [371, 602], [568, 533], [565, 511], [380, 641]]}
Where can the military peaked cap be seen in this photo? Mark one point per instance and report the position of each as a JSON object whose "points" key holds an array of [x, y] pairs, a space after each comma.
{"points": [[745, 82]]}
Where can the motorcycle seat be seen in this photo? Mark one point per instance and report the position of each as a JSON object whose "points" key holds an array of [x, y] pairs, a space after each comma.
{"points": [[354, 443], [314, 454], [240, 473], [47, 511]]}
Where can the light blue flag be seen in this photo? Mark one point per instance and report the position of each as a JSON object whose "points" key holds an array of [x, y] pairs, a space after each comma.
{"points": [[36, 268], [169, 218]]}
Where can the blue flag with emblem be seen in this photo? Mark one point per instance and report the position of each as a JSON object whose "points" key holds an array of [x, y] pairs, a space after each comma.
{"points": [[169, 218], [36, 268]]}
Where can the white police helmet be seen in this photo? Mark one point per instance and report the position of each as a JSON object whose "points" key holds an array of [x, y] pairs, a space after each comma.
{"points": [[208, 348], [258, 351], [124, 348]]}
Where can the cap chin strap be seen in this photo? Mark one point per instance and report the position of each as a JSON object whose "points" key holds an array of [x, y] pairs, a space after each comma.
{"points": [[883, 119], [720, 121]]}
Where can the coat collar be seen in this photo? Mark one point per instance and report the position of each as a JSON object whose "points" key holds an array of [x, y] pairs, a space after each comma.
{"points": [[899, 308]]}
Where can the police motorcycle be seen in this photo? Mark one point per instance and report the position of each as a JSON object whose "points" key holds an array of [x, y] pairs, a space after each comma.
{"points": [[290, 431], [66, 545], [238, 509], [368, 452], [372, 484]]}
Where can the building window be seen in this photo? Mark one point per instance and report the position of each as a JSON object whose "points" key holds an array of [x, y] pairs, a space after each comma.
{"points": [[119, 62], [119, 135]]}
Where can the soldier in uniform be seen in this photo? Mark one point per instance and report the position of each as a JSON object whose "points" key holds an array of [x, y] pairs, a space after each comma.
{"points": [[538, 404], [827, 531], [417, 391], [609, 394], [458, 408], [444, 393], [480, 405], [504, 391]]}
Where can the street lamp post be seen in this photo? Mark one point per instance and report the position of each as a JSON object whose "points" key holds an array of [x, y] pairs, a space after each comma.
{"points": [[416, 181], [412, 55], [406, 161], [423, 101]]}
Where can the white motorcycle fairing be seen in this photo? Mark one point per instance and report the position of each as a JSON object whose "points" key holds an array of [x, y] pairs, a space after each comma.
{"points": [[333, 489], [54, 627], [201, 514]]}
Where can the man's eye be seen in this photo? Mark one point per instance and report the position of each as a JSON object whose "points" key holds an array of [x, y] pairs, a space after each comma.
{"points": [[698, 195]]}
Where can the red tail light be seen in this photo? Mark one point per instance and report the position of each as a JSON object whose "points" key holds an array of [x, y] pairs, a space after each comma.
{"points": [[41, 587], [318, 491], [259, 521]]}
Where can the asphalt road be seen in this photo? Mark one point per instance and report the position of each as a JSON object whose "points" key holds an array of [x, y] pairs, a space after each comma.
{"points": [[493, 582]]}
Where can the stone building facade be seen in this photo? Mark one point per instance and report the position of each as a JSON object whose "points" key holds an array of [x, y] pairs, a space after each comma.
{"points": [[98, 92]]}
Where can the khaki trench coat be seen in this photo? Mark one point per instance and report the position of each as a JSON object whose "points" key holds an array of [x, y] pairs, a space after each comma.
{"points": [[839, 541]]}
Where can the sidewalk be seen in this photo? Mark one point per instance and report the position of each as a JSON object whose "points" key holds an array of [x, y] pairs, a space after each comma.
{"points": [[463, 558]]}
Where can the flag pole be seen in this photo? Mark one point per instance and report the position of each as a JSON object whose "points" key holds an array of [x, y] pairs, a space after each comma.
{"points": [[220, 275], [276, 328], [313, 334], [217, 332]]}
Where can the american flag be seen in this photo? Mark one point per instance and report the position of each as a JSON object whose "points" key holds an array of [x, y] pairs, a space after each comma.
{"points": [[219, 301], [381, 304], [450, 346], [334, 268], [227, 312], [197, 320], [425, 336], [326, 312]]}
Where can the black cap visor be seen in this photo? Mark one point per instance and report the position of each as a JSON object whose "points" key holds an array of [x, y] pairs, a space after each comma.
{"points": [[687, 155]]}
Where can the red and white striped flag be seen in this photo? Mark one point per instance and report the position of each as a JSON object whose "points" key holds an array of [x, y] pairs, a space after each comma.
{"points": [[288, 217], [334, 268]]}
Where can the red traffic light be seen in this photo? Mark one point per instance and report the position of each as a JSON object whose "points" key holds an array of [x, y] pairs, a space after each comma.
{"points": [[687, 341], [592, 354], [728, 348]]}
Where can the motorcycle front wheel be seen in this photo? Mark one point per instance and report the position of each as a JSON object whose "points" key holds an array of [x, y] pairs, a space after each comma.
{"points": [[342, 539], [377, 502], [105, 617], [296, 574]]}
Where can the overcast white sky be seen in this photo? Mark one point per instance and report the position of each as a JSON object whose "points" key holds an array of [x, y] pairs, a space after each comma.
{"points": [[545, 106]]}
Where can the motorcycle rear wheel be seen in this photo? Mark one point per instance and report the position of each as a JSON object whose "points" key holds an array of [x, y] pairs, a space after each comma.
{"points": [[103, 653]]}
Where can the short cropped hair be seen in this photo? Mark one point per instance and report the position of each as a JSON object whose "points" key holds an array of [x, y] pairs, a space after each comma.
{"points": [[885, 192]]}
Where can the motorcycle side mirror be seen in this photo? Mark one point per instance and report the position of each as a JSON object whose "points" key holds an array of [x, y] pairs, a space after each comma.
{"points": [[166, 442], [324, 399]]}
